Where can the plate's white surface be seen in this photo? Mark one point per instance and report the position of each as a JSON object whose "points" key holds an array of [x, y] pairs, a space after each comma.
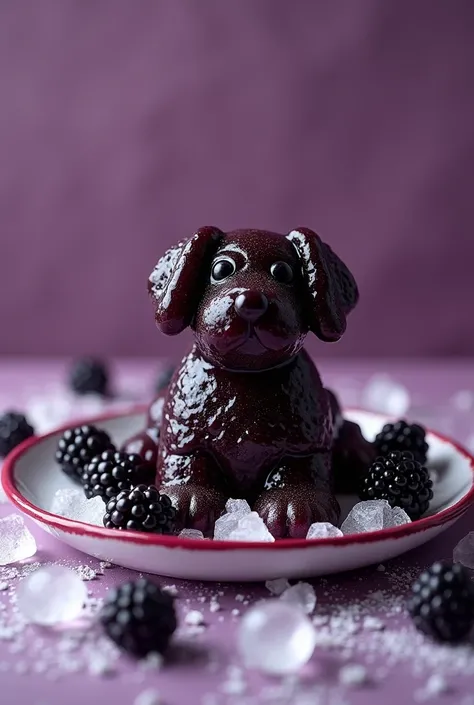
{"points": [[31, 478]]}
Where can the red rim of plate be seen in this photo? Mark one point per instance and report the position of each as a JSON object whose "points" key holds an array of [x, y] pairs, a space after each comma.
{"points": [[71, 526]]}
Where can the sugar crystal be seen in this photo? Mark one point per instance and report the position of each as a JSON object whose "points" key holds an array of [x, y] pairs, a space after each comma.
{"points": [[301, 595], [16, 541], [323, 530]]}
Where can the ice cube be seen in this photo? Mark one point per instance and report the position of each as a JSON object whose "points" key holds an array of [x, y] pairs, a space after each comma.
{"points": [[365, 516], [385, 395], [250, 527], [394, 516], [353, 675], [373, 515], [225, 525], [16, 541], [276, 637], [51, 595], [464, 551], [191, 534], [277, 586], [73, 504], [240, 506], [301, 595], [323, 530]]}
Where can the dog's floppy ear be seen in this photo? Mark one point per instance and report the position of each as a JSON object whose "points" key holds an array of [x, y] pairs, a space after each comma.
{"points": [[332, 291], [176, 283]]}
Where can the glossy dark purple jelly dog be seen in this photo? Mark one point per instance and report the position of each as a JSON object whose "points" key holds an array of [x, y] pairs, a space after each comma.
{"points": [[245, 414]]}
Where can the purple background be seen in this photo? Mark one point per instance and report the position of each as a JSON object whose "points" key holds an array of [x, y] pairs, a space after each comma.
{"points": [[124, 126]]}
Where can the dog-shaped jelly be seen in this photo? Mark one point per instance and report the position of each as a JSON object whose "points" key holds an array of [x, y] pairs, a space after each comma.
{"points": [[245, 414]]}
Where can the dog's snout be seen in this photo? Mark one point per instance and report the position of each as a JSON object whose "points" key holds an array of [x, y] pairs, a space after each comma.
{"points": [[251, 305]]}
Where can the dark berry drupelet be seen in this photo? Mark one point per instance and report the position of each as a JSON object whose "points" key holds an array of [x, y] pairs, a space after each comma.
{"points": [[403, 436], [89, 376], [139, 617], [442, 602], [113, 471], [14, 429], [401, 480], [164, 378], [77, 447], [142, 508]]}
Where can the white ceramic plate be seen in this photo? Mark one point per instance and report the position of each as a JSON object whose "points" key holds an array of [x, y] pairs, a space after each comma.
{"points": [[30, 479]]}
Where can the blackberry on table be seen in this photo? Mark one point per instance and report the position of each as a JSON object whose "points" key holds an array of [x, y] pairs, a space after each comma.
{"points": [[89, 376], [142, 508], [139, 617], [112, 471], [403, 436], [401, 480], [442, 602], [77, 446], [14, 429]]}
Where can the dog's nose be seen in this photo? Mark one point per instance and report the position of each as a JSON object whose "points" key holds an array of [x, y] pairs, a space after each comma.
{"points": [[251, 305]]}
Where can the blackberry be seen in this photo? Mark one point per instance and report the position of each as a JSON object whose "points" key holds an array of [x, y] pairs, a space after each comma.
{"points": [[14, 429], [142, 508], [77, 446], [403, 436], [164, 378], [113, 471], [139, 617], [442, 602], [89, 376], [401, 480]]}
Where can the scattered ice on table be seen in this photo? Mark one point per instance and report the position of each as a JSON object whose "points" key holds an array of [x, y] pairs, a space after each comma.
{"points": [[373, 515], [301, 595], [373, 624], [353, 675], [435, 686], [323, 530], [194, 618], [16, 541], [148, 697], [51, 595], [56, 406], [277, 586], [191, 534], [276, 637], [464, 551], [385, 395], [240, 506], [235, 683], [250, 527], [73, 504]]}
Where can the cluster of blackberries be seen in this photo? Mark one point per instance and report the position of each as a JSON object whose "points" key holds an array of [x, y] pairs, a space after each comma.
{"points": [[122, 480], [398, 474]]}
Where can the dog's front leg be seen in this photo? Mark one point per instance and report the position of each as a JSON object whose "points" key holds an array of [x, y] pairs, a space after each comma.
{"points": [[195, 486], [297, 493]]}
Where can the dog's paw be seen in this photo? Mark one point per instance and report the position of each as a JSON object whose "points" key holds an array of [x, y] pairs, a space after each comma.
{"points": [[197, 506], [289, 511]]}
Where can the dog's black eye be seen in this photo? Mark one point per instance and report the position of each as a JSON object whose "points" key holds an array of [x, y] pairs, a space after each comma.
{"points": [[221, 269], [282, 272]]}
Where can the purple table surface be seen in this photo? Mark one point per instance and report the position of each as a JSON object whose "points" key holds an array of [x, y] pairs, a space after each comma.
{"points": [[51, 667]]}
